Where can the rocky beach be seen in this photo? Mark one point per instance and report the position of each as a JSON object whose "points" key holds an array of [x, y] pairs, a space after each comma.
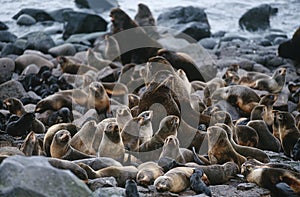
{"points": [[91, 93]]}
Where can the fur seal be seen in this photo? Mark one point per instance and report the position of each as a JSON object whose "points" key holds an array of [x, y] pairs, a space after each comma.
{"points": [[175, 180], [121, 173], [290, 48], [98, 98], [246, 136], [296, 151], [53, 130], [197, 185], [60, 147], [248, 152], [269, 178], [182, 61], [32, 145], [171, 149], [15, 106], [69, 66], [146, 130], [112, 49], [98, 63], [131, 134], [22, 126], [220, 149], [288, 131], [131, 189], [239, 96], [132, 44], [112, 144], [266, 141], [148, 172], [211, 87], [123, 115]]}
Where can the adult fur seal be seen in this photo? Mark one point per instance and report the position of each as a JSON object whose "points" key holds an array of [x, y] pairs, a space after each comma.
{"points": [[98, 98], [290, 48], [132, 43], [148, 172], [32, 145]]}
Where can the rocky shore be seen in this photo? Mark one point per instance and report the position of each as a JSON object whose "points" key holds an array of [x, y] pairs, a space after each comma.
{"points": [[32, 70]]}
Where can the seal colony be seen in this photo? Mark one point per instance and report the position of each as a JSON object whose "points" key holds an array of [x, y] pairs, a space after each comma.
{"points": [[153, 119]]}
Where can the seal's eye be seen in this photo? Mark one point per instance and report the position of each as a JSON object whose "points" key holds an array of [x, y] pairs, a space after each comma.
{"points": [[272, 97]]}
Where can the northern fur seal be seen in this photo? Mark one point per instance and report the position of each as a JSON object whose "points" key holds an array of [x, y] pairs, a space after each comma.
{"points": [[197, 185], [72, 67], [32, 145], [22, 126], [148, 172]]}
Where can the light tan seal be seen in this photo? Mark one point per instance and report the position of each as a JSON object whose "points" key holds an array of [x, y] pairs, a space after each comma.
{"points": [[148, 172]]}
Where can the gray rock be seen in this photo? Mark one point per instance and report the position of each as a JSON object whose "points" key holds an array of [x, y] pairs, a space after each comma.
{"points": [[191, 21], [30, 107], [11, 89], [26, 20], [39, 41], [30, 69], [229, 190], [279, 40], [99, 162], [3, 26], [37, 14], [54, 30], [7, 67], [272, 37], [98, 6], [260, 68], [257, 18], [230, 38], [24, 60], [109, 192], [6, 36], [245, 186], [10, 48], [58, 15], [65, 50], [79, 22], [102, 182], [171, 43], [34, 176], [208, 43]]}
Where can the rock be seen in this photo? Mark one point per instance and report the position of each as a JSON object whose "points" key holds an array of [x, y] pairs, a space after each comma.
{"points": [[229, 190], [54, 30], [26, 20], [38, 53], [257, 18], [24, 60], [34, 176], [39, 41], [30, 107], [65, 50], [279, 40], [229, 38], [102, 182], [58, 15], [245, 186], [109, 192], [191, 21], [89, 115], [260, 68], [37, 14], [272, 37], [3, 26], [218, 34], [208, 43], [172, 43], [6, 36], [98, 6], [7, 67], [79, 22], [10, 48], [30, 69], [11, 88]]}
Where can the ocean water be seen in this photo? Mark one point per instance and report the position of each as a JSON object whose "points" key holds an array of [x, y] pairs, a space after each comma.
{"points": [[222, 14]]}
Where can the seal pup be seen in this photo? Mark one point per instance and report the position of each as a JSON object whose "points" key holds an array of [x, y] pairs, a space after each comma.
{"points": [[266, 141], [182, 61], [131, 189], [175, 180], [123, 115], [32, 145], [220, 149], [288, 131], [210, 88], [69, 66], [22, 126], [60, 147], [111, 144], [246, 136], [146, 130], [197, 185], [15, 106], [148, 172], [268, 100], [53, 130], [269, 178], [120, 173]]}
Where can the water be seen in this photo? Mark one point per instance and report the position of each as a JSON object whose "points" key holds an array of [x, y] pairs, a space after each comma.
{"points": [[222, 14]]}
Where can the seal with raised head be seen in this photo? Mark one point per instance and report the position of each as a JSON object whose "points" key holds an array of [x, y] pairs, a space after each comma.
{"points": [[60, 147], [131, 134], [148, 172], [97, 98], [32, 145], [146, 131], [171, 149]]}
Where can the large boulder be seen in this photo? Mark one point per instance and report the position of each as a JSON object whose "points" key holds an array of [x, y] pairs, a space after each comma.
{"points": [[26, 20], [257, 18], [64, 49], [191, 21], [10, 48], [99, 6], [11, 88], [24, 60], [58, 15], [3, 26], [37, 14], [6, 36], [7, 67], [79, 22], [39, 41], [34, 176]]}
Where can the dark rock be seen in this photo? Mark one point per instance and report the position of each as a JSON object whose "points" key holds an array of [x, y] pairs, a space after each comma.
{"points": [[39, 41], [265, 42], [11, 49], [191, 21], [79, 22], [245, 186], [99, 6], [219, 34], [6, 36], [65, 50], [34, 176], [257, 18], [7, 67], [102, 182], [26, 20], [37, 14], [3, 26], [231, 38], [208, 43], [11, 88], [58, 15]]}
